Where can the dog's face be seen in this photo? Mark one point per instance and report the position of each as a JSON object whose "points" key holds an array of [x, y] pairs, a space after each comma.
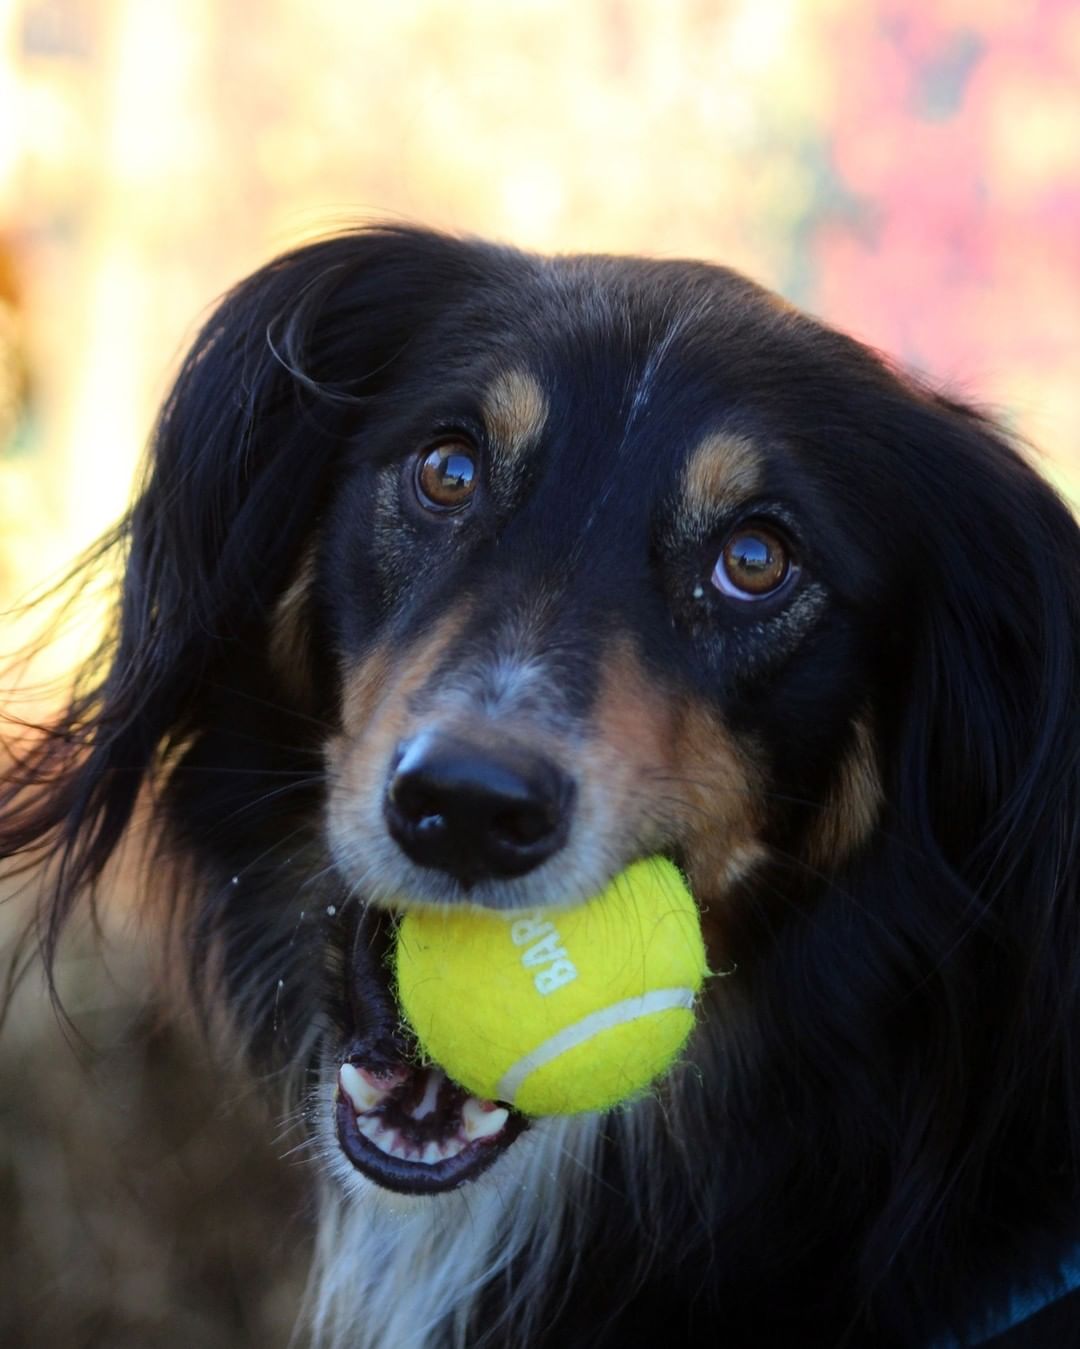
{"points": [[464, 576], [584, 600], [592, 593]]}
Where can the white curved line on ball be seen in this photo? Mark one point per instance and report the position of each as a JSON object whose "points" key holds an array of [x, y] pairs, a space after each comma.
{"points": [[618, 1014]]}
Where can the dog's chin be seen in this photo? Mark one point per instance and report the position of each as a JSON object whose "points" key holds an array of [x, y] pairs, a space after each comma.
{"points": [[409, 1128]]}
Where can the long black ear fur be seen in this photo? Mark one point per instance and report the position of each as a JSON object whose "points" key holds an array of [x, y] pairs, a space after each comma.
{"points": [[935, 987], [985, 844], [245, 444]]}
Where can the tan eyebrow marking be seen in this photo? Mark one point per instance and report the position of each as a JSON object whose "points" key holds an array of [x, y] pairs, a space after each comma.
{"points": [[721, 473], [515, 409]]}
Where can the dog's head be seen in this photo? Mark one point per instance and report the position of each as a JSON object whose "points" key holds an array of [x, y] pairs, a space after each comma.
{"points": [[466, 576]]}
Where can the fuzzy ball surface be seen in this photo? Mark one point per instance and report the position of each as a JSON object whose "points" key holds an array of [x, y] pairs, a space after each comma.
{"points": [[557, 1011]]}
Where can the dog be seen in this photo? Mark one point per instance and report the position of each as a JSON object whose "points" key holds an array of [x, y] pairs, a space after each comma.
{"points": [[461, 575]]}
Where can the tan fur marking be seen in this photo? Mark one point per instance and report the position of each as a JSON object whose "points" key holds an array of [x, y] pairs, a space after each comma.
{"points": [[721, 473], [365, 688], [515, 410], [853, 806], [290, 644], [385, 681], [375, 709], [672, 773], [717, 791], [627, 752]]}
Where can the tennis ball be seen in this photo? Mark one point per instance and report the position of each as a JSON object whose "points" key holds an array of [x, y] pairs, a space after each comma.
{"points": [[557, 1010]]}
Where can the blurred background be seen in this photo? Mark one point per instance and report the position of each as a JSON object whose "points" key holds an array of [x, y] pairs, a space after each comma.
{"points": [[908, 172]]}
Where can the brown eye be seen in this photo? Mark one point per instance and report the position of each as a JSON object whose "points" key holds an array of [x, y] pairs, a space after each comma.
{"points": [[447, 476], [754, 564]]}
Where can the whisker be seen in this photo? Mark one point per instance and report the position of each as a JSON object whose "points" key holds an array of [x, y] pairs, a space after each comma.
{"points": [[263, 799], [319, 723]]}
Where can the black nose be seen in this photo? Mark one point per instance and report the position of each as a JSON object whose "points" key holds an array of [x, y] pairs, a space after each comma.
{"points": [[475, 811]]}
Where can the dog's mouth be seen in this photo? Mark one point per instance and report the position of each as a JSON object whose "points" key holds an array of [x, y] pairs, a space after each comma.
{"points": [[413, 1130], [402, 1123]]}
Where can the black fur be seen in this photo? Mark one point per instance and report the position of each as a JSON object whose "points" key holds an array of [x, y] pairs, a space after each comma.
{"points": [[885, 1139]]}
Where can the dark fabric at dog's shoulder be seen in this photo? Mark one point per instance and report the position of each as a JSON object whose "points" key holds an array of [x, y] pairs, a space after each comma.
{"points": [[1056, 1326]]}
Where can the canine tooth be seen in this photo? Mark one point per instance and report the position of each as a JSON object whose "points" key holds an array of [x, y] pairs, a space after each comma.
{"points": [[358, 1088], [481, 1119], [430, 1099]]}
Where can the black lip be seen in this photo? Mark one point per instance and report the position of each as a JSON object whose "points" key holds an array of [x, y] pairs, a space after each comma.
{"points": [[404, 1177], [375, 1038]]}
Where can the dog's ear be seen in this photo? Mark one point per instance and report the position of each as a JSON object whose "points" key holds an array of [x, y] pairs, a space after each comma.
{"points": [[973, 892], [990, 752], [261, 410]]}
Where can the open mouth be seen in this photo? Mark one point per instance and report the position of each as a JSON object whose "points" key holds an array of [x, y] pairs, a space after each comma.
{"points": [[411, 1129], [403, 1124]]}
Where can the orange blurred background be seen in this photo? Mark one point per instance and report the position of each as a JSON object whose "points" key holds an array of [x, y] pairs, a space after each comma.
{"points": [[909, 172]]}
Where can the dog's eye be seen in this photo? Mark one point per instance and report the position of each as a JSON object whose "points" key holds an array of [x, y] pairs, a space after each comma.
{"points": [[447, 476], [755, 563]]}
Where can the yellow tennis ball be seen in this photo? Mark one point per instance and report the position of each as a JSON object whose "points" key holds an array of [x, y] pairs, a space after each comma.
{"points": [[557, 1010]]}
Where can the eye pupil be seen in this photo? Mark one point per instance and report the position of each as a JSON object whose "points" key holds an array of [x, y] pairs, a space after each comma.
{"points": [[751, 555], [754, 563], [446, 477]]}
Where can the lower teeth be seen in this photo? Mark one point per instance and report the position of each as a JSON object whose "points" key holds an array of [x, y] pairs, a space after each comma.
{"points": [[391, 1143], [368, 1093]]}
